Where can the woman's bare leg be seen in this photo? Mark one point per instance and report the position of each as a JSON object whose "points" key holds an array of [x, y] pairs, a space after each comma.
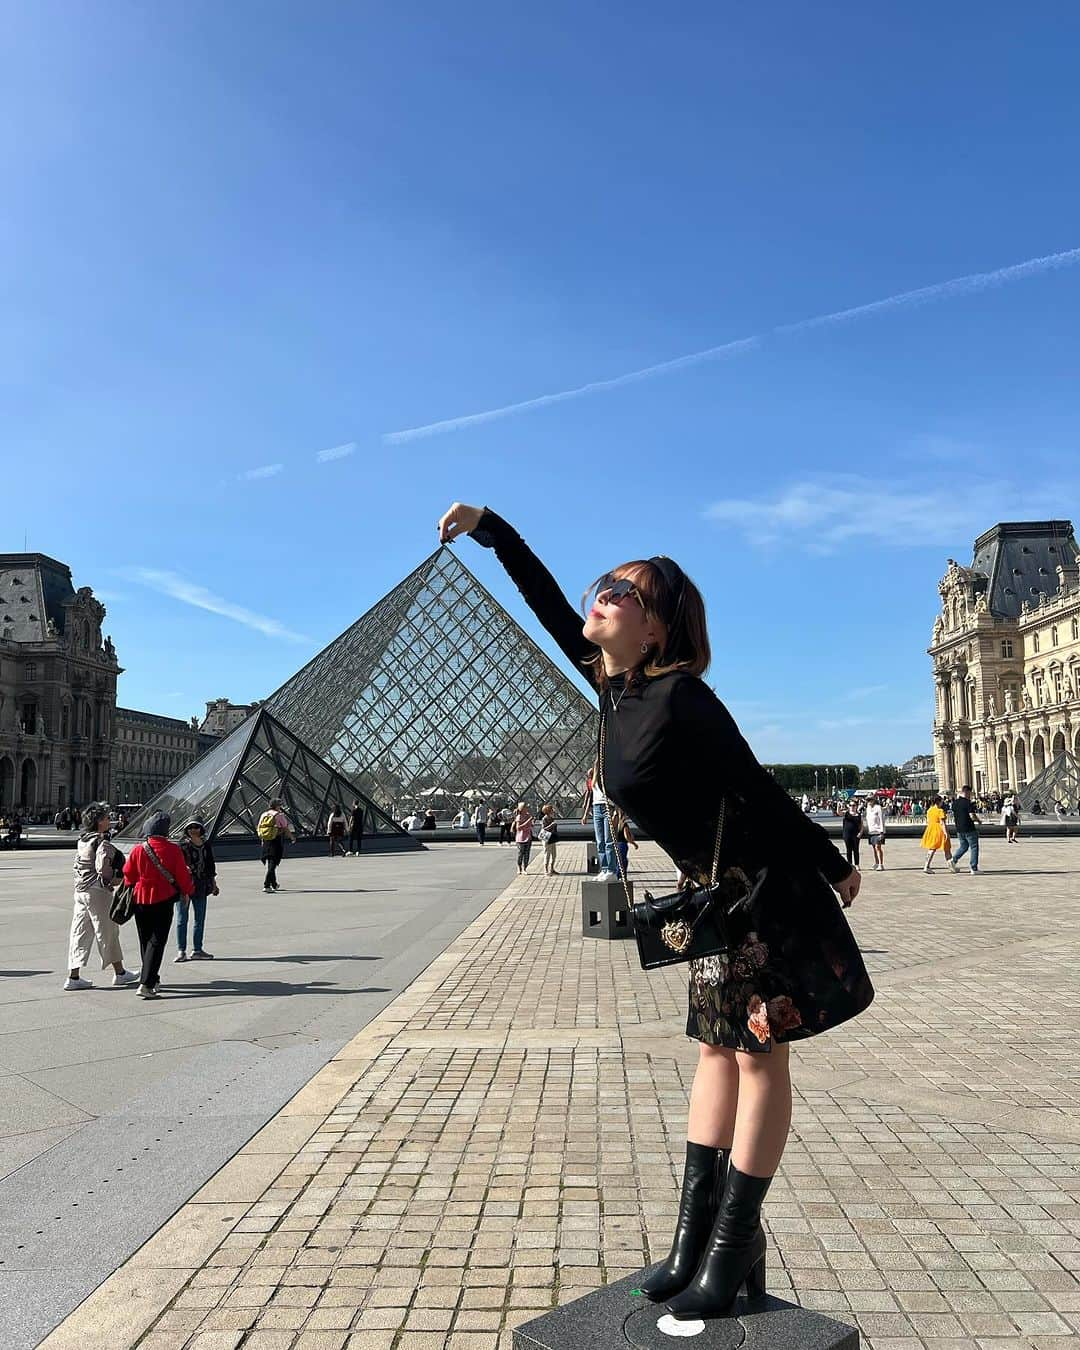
{"points": [[764, 1111], [714, 1097]]}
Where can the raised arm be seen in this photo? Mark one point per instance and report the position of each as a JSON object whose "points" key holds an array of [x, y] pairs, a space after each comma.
{"points": [[713, 735], [529, 575]]}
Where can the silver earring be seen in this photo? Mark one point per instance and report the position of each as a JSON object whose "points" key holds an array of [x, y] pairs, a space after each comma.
{"points": [[644, 648]]}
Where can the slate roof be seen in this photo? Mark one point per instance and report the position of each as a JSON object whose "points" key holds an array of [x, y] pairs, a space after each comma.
{"points": [[33, 588], [1020, 559]]}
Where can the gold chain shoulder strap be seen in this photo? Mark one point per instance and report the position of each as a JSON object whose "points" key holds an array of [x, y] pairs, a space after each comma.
{"points": [[611, 832]]}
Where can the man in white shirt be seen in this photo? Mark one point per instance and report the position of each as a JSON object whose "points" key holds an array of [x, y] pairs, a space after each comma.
{"points": [[875, 829]]}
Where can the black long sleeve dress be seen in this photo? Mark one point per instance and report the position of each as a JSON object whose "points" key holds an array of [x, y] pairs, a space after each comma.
{"points": [[672, 753]]}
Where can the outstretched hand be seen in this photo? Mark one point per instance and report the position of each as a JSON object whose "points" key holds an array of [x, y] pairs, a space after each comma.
{"points": [[460, 519], [848, 889]]}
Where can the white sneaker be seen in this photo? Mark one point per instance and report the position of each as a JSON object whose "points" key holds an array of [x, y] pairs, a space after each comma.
{"points": [[70, 983], [144, 991], [124, 977], [180, 956], [952, 866]]}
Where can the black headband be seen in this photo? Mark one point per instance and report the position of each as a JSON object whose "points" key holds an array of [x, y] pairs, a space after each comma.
{"points": [[675, 578]]}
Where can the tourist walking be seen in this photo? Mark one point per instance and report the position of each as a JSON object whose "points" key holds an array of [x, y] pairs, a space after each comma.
{"points": [[936, 835], [336, 824], [479, 823], [674, 760], [356, 829], [967, 829], [549, 837], [199, 857], [506, 832], [851, 828], [97, 868], [1010, 817], [273, 829], [875, 832], [158, 874], [523, 835]]}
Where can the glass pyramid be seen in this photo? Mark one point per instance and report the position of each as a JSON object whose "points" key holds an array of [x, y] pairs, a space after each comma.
{"points": [[230, 786], [437, 696], [1059, 781]]}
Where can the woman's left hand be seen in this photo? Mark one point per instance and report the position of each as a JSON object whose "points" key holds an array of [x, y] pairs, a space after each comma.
{"points": [[848, 889]]}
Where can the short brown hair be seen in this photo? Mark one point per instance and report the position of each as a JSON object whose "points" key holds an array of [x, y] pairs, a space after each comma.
{"points": [[687, 647]]}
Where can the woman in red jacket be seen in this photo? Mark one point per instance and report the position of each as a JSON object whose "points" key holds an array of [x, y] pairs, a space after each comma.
{"points": [[158, 872]]}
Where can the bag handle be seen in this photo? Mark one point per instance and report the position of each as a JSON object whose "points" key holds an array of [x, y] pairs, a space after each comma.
{"points": [[607, 809], [160, 866]]}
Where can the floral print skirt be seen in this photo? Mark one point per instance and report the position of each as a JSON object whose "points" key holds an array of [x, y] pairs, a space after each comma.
{"points": [[793, 969]]}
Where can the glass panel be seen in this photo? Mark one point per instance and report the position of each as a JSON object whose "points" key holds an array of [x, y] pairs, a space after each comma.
{"points": [[436, 686]]}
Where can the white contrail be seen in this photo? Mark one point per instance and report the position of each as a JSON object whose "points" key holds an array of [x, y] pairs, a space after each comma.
{"points": [[943, 290]]}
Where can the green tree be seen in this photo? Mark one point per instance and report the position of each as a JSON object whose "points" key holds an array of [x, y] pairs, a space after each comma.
{"points": [[881, 776]]}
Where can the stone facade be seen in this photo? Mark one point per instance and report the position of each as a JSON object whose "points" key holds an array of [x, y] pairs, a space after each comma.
{"points": [[223, 717], [57, 687], [150, 751], [1006, 654], [920, 773]]}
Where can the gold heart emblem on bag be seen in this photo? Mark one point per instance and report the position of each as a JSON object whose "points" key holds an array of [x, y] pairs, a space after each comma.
{"points": [[676, 935]]}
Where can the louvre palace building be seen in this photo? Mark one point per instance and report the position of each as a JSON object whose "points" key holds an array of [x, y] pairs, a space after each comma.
{"points": [[63, 740], [1006, 658]]}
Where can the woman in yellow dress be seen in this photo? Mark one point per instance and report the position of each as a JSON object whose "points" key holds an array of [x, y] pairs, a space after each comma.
{"points": [[936, 835]]}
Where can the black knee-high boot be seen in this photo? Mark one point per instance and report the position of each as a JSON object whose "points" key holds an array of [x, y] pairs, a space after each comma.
{"points": [[702, 1187], [735, 1253]]}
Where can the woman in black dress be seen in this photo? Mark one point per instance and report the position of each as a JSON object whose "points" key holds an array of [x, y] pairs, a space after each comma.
{"points": [[673, 754]]}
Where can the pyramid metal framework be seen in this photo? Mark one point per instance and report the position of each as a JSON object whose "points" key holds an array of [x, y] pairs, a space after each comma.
{"points": [[230, 786], [1059, 781], [437, 695]]}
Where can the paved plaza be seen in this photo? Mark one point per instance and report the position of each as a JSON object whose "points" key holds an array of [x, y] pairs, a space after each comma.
{"points": [[507, 1134], [113, 1112]]}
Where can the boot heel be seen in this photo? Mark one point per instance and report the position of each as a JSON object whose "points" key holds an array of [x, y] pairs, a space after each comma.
{"points": [[755, 1280]]}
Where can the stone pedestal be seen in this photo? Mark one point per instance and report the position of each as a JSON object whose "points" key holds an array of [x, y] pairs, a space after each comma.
{"points": [[613, 1319], [603, 910]]}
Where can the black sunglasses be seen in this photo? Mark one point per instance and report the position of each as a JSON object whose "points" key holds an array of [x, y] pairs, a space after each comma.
{"points": [[617, 589]]}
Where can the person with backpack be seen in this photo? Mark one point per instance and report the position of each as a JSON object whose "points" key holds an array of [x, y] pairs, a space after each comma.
{"points": [[97, 868], [335, 828], [273, 829], [159, 875], [199, 857], [356, 829]]}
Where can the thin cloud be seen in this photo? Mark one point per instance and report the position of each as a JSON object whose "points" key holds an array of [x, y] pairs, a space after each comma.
{"points": [[822, 515], [335, 452], [867, 690], [263, 471], [942, 290], [188, 593]]}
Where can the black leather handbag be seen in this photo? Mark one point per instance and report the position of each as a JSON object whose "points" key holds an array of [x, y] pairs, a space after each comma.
{"points": [[701, 920]]}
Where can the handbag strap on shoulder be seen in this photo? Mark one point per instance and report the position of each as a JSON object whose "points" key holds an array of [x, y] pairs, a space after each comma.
{"points": [[607, 809], [159, 864]]}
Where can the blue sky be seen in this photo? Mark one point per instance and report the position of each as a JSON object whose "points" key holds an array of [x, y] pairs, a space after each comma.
{"points": [[236, 237]]}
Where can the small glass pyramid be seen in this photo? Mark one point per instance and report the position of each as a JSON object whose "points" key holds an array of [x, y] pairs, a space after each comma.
{"points": [[436, 694], [1059, 781], [231, 785]]}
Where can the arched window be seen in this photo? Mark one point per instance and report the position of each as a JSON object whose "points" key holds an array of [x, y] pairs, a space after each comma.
{"points": [[1035, 641], [1054, 635]]}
